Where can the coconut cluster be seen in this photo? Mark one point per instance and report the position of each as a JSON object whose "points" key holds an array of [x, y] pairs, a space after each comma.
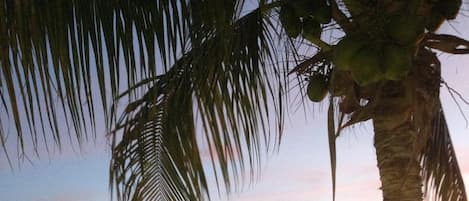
{"points": [[305, 17], [382, 45], [370, 61], [435, 12]]}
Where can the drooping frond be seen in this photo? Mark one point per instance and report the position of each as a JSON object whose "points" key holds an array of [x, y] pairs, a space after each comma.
{"points": [[225, 82], [441, 176], [61, 60], [441, 173], [157, 157], [185, 62], [331, 133]]}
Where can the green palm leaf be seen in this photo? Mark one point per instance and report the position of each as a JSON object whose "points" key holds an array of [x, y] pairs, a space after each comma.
{"points": [[186, 63], [58, 65], [224, 76], [158, 158], [62, 59]]}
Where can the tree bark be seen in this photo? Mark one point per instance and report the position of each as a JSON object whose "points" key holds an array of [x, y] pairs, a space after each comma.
{"points": [[395, 143]]}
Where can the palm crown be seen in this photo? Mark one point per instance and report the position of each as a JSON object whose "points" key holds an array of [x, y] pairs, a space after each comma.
{"points": [[186, 64]]}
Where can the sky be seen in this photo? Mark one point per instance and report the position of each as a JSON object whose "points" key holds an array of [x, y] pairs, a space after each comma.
{"points": [[300, 171]]}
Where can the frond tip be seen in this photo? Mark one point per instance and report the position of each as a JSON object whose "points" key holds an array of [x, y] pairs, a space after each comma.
{"points": [[156, 158]]}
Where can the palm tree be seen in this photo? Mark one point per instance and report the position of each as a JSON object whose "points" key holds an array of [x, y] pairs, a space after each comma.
{"points": [[215, 71]]}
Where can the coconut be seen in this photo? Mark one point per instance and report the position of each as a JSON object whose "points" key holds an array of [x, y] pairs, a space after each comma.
{"points": [[311, 29], [405, 30], [346, 49], [397, 61], [366, 68], [317, 88], [290, 21]]}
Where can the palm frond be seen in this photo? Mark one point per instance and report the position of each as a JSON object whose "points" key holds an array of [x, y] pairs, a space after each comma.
{"points": [[157, 158], [331, 133], [226, 75], [441, 174], [60, 60]]}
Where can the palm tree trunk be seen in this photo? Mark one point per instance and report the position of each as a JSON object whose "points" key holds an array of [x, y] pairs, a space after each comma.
{"points": [[395, 140]]}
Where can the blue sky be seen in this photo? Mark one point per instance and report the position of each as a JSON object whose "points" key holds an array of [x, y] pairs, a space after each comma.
{"points": [[300, 171]]}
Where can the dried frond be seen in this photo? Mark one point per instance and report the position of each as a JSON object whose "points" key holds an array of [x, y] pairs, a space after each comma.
{"points": [[441, 174]]}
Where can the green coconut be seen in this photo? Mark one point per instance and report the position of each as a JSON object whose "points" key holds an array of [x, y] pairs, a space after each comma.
{"points": [[397, 61], [311, 29], [317, 88], [290, 21], [405, 30], [345, 50], [366, 68], [449, 8]]}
